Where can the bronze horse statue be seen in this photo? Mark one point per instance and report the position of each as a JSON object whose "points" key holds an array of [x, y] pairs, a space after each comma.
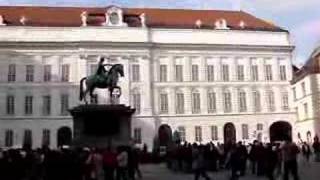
{"points": [[105, 79]]}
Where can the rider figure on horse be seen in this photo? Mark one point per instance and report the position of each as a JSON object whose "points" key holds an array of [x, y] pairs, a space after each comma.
{"points": [[101, 71]]}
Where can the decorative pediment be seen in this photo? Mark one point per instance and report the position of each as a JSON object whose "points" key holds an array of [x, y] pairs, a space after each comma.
{"points": [[114, 17]]}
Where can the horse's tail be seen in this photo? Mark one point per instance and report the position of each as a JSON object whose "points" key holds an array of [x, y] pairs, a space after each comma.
{"points": [[81, 88]]}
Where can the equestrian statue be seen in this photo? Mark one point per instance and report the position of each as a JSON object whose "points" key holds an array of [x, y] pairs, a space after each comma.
{"points": [[102, 79]]}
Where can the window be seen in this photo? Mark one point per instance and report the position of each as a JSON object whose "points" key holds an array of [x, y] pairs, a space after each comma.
{"points": [[28, 105], [179, 73], [46, 107], [27, 138], [12, 73], [64, 100], [270, 101], [47, 73], [227, 102], [182, 133], [240, 72], [198, 134], [256, 101], [210, 71], [136, 98], [9, 138], [180, 103], [195, 73], [305, 107], [46, 137], [94, 99], [29, 73], [259, 127], [285, 101], [254, 73], [242, 101], [245, 131], [10, 105], [65, 72], [163, 73], [195, 102], [214, 133], [93, 69], [225, 72], [283, 73], [163, 103], [135, 73], [137, 135], [212, 102], [294, 93], [303, 87], [268, 72]]}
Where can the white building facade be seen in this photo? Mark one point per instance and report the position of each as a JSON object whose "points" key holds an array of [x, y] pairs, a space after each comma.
{"points": [[305, 88], [220, 83]]}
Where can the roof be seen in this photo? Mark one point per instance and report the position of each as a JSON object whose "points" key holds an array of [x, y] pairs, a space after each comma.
{"points": [[312, 66], [155, 18]]}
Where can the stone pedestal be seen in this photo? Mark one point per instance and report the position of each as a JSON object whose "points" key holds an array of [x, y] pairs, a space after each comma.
{"points": [[101, 125]]}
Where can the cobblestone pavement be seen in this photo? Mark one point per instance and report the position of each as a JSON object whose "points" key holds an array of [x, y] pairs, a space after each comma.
{"points": [[160, 172]]}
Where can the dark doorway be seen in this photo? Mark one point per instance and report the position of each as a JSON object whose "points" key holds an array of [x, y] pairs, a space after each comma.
{"points": [[229, 133], [280, 131], [64, 136], [165, 135]]}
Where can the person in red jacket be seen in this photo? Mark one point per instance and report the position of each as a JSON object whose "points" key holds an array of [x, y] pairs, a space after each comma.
{"points": [[109, 163]]}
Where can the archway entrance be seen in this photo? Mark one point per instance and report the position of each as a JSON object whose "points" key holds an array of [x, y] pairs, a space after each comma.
{"points": [[229, 133], [280, 131], [64, 136], [165, 135]]}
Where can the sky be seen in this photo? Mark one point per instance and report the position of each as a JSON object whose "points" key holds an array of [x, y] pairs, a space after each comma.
{"points": [[300, 17]]}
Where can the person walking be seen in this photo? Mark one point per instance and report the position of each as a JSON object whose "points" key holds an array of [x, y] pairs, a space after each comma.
{"points": [[306, 152], [198, 164], [109, 163], [290, 153], [122, 159]]}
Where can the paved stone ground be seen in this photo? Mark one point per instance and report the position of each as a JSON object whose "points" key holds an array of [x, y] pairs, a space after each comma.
{"points": [[160, 172]]}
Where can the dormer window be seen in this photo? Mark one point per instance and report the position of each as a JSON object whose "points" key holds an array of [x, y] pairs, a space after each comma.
{"points": [[2, 21], [221, 24], [242, 24], [198, 23], [114, 17]]}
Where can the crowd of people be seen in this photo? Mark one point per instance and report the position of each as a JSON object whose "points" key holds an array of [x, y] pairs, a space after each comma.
{"points": [[272, 160], [70, 164]]}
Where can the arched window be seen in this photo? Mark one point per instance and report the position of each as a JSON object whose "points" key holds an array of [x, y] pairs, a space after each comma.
{"points": [[9, 138], [227, 101]]}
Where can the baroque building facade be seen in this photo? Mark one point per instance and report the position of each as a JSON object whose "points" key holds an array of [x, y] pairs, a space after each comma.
{"points": [[305, 89], [209, 75]]}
